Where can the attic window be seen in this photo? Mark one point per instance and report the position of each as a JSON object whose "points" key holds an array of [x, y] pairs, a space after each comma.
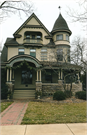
{"points": [[59, 37], [38, 37]]}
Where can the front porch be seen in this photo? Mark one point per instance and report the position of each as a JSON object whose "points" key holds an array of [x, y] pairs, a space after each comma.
{"points": [[24, 79]]}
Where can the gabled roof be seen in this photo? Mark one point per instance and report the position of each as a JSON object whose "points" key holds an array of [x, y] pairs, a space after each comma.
{"points": [[61, 25], [4, 54], [10, 41], [24, 25]]}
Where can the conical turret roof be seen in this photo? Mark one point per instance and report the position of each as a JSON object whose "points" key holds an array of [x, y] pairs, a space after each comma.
{"points": [[61, 25]]}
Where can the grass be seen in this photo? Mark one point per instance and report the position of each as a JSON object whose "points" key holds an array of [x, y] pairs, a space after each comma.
{"points": [[47, 113], [4, 105]]}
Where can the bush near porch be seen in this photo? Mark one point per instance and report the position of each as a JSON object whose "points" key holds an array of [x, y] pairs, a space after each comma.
{"points": [[60, 95], [81, 95], [4, 88]]}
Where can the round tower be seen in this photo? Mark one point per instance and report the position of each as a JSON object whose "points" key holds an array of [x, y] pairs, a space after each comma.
{"points": [[61, 37]]}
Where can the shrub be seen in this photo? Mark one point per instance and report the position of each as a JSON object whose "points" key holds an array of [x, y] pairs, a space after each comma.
{"points": [[68, 94], [59, 95], [4, 88], [81, 95], [4, 91]]}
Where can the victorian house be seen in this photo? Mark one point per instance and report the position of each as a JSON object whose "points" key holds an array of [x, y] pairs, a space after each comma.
{"points": [[38, 60]]}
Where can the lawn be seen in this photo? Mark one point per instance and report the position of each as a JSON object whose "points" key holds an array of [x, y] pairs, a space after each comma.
{"points": [[47, 113], [4, 105]]}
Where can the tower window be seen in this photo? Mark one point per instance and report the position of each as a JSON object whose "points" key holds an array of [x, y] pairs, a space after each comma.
{"points": [[67, 37], [59, 37]]}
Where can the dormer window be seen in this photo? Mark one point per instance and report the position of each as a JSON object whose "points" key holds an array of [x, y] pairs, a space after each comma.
{"points": [[59, 37], [27, 36], [32, 37], [38, 37]]}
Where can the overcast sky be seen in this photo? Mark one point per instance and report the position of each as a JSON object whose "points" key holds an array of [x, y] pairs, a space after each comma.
{"points": [[47, 11]]}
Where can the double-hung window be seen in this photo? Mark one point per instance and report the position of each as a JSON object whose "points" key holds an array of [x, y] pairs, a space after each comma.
{"points": [[33, 52], [67, 37], [60, 55], [20, 51], [43, 54]]}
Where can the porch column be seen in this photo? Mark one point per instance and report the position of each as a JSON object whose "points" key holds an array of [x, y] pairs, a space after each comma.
{"points": [[10, 74], [78, 77], [37, 75], [13, 74], [59, 74], [40, 75], [7, 75]]}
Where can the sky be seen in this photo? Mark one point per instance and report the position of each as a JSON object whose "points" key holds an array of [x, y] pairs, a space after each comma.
{"points": [[47, 11]]}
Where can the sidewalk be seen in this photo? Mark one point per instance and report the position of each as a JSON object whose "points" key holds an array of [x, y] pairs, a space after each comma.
{"points": [[46, 129]]}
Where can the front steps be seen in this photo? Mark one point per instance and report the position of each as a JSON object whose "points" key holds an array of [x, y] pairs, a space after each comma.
{"points": [[24, 94]]}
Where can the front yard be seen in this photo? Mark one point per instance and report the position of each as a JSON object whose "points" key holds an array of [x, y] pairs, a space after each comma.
{"points": [[4, 105], [44, 113]]}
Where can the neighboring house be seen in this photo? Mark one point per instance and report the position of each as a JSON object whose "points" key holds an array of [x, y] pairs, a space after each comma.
{"points": [[38, 60]]}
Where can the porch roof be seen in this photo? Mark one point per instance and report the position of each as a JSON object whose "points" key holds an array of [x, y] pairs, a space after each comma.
{"points": [[19, 58]]}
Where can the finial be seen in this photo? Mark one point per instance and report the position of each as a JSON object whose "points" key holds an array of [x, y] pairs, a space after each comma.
{"points": [[59, 9]]}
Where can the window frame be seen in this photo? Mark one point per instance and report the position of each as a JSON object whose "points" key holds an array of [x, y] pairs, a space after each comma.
{"points": [[21, 51], [59, 54], [44, 54], [26, 77], [67, 37], [33, 51], [58, 37]]}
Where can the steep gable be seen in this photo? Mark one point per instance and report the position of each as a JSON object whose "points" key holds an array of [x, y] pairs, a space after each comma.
{"points": [[32, 21]]}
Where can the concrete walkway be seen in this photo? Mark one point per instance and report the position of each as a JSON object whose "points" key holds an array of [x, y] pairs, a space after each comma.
{"points": [[14, 113], [46, 129]]}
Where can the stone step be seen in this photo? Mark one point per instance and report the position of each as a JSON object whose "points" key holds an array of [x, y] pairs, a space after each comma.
{"points": [[23, 94]]}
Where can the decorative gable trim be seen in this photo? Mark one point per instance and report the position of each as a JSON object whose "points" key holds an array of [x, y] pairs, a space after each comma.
{"points": [[25, 25]]}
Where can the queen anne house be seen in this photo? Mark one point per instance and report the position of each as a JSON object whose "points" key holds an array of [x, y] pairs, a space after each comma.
{"points": [[39, 60]]}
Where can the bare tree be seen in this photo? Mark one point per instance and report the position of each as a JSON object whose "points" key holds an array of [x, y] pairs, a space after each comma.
{"points": [[79, 51], [8, 8], [80, 16]]}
